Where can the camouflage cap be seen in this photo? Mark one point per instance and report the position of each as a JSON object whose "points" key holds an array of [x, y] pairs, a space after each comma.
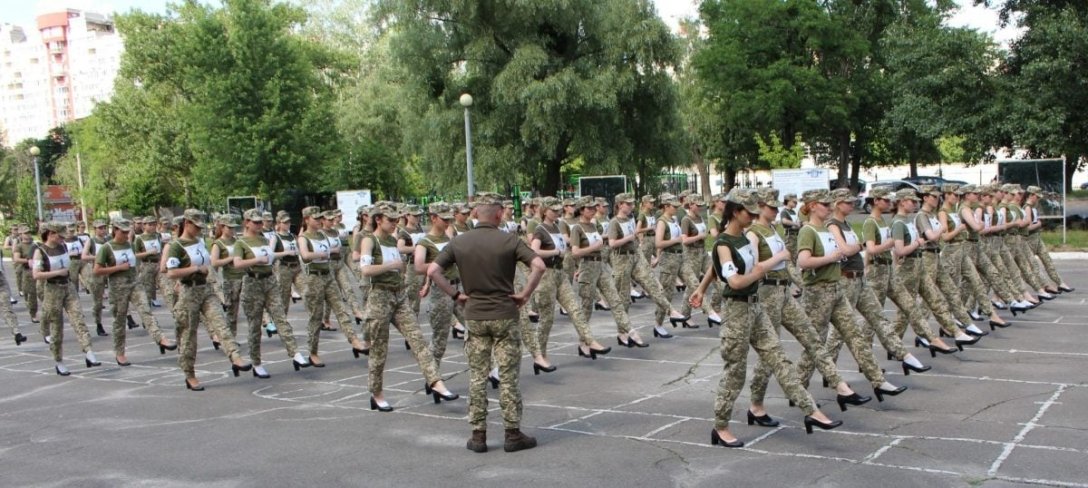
{"points": [[388, 211], [72, 226], [164, 220], [881, 192], [668, 199], [98, 223], [24, 229], [121, 223], [56, 227], [177, 221], [818, 195], [625, 198], [254, 215], [1034, 190], [789, 197], [570, 201], [986, 189], [965, 189], [648, 199], [507, 204], [413, 210], [552, 203], [462, 208], [842, 195], [488, 198], [314, 212], [767, 196], [684, 194], [267, 216], [950, 188], [283, 217], [695, 199], [743, 197], [906, 194], [197, 217], [441, 209], [586, 201], [1011, 188], [928, 190], [234, 221]]}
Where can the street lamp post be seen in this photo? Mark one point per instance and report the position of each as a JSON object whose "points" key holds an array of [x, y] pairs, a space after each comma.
{"points": [[466, 101], [34, 152]]}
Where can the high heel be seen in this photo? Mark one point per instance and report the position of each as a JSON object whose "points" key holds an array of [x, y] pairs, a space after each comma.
{"points": [[763, 420], [439, 396], [943, 334], [234, 368], [374, 405], [316, 365], [358, 321], [907, 368], [356, 352], [663, 335], [1066, 289], [881, 392], [716, 440], [164, 348], [20, 338], [966, 342], [1015, 310], [91, 364], [971, 330], [216, 345], [933, 350], [851, 399], [538, 368], [261, 374], [919, 342], [679, 320], [811, 422], [123, 363], [407, 346], [299, 364], [689, 325], [591, 355], [629, 344], [494, 382], [597, 306], [995, 324], [534, 318], [998, 305], [458, 333], [188, 385], [711, 322], [61, 370], [131, 323], [891, 357]]}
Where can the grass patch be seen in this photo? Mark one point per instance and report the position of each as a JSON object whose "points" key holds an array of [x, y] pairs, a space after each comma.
{"points": [[1075, 240]]}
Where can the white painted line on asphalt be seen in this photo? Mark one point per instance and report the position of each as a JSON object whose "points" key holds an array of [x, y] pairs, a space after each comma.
{"points": [[1032, 481], [883, 449], [765, 435], [1024, 432], [1059, 319], [663, 427]]}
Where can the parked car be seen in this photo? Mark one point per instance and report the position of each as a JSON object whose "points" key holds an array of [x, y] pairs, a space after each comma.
{"points": [[931, 180], [891, 185], [1084, 186]]}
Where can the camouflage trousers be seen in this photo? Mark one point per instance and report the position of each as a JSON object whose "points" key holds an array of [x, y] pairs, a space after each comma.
{"points": [[97, 286], [912, 274], [321, 292], [75, 269], [633, 267], [347, 283], [886, 282], [169, 290], [216, 282], [5, 305], [745, 324], [440, 316], [826, 302], [124, 293], [570, 266], [196, 304], [672, 266], [1036, 247], [232, 293], [994, 247], [948, 272], [392, 306], [148, 276], [974, 293], [413, 282], [1012, 271], [781, 309], [260, 296], [698, 260], [62, 298], [554, 288], [646, 247], [498, 339], [363, 286], [594, 278], [286, 276], [862, 299], [29, 287], [1021, 258], [791, 267]]}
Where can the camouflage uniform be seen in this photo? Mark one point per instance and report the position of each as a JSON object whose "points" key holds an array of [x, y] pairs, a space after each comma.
{"points": [[94, 283], [260, 295], [5, 305], [915, 279], [60, 296], [125, 291], [671, 264], [695, 255], [389, 304], [232, 278], [25, 281], [498, 339], [1035, 245], [148, 270], [321, 290]]}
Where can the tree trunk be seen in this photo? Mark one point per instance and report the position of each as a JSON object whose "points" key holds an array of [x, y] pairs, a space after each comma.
{"points": [[1071, 164], [913, 168], [844, 159], [553, 168], [855, 164], [730, 178], [701, 168]]}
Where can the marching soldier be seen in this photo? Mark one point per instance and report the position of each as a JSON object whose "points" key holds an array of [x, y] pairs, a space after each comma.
{"points": [[148, 249], [52, 266]]}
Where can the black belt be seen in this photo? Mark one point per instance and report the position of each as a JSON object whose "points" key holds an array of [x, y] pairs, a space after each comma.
{"points": [[930, 250], [882, 260], [592, 258], [193, 282], [849, 273], [260, 276], [623, 252], [57, 281], [743, 299], [672, 252], [455, 282], [320, 272], [771, 282], [385, 287]]}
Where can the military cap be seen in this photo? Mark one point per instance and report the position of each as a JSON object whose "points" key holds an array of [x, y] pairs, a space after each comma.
{"points": [[570, 201], [197, 217], [818, 195], [442, 209], [177, 221], [767, 196], [389, 211], [880, 192], [789, 197], [98, 223], [121, 223], [985, 189], [233, 221], [254, 215], [907, 194], [1012, 188], [314, 212], [164, 220], [648, 199], [625, 198], [695, 199], [1035, 190], [950, 188], [965, 189], [586, 201], [668, 199], [53, 227], [744, 198], [71, 226], [508, 204], [462, 208], [928, 190], [842, 195], [488, 198], [601, 201], [686, 193], [413, 210], [552, 203]]}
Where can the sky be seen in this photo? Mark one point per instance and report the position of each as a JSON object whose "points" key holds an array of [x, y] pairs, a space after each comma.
{"points": [[24, 12]]}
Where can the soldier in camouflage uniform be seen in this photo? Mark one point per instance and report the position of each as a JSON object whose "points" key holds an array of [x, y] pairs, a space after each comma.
{"points": [[117, 261], [694, 230], [956, 273], [734, 265], [94, 283], [148, 247], [321, 289], [441, 305], [782, 309], [51, 266], [978, 269], [1019, 221], [363, 229], [20, 258], [791, 225], [260, 294], [818, 256], [407, 238], [587, 245], [5, 304], [930, 228], [1034, 240], [74, 246], [188, 261], [669, 240], [223, 259], [381, 261], [492, 313]]}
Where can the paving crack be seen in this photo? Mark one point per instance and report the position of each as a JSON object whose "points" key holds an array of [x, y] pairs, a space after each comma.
{"points": [[691, 370]]}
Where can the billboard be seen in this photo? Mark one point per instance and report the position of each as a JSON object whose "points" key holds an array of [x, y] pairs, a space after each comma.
{"points": [[602, 186], [349, 202], [1048, 174], [797, 181]]}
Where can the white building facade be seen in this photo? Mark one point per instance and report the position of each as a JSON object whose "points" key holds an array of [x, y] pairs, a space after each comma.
{"points": [[55, 71]]}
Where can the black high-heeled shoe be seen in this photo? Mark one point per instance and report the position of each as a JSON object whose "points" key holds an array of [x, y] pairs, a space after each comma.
{"points": [[627, 344], [1066, 289], [679, 320], [131, 323], [234, 368], [716, 440], [681, 288], [216, 345], [966, 342], [851, 399], [20, 338], [943, 334], [538, 368], [261, 376], [457, 333], [710, 322], [933, 350], [907, 368], [299, 365], [381, 408], [1016, 310], [494, 382], [662, 335], [61, 372], [998, 305], [591, 355], [597, 306], [358, 321], [534, 318], [163, 349], [269, 332], [91, 364], [763, 420], [919, 342], [198, 387], [881, 392], [407, 346], [994, 324], [811, 422], [123, 364], [316, 365], [891, 357], [294, 299], [438, 396], [356, 352]]}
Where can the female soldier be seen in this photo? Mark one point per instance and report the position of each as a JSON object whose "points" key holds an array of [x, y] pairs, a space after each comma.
{"points": [[668, 239], [1034, 240], [148, 248], [442, 305], [953, 277], [74, 245], [51, 266], [586, 246], [7, 300], [694, 231], [260, 293], [646, 227], [223, 259], [94, 283], [188, 261], [116, 261], [407, 238], [389, 303], [27, 285], [818, 256], [782, 309], [735, 265], [1019, 221], [977, 266]]}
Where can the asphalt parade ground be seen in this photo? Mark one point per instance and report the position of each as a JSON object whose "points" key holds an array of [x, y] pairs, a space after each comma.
{"points": [[1009, 411]]}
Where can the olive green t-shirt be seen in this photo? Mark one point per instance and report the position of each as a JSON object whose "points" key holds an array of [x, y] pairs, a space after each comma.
{"points": [[818, 241], [491, 255], [770, 243], [672, 230], [693, 226], [586, 235], [251, 247], [317, 242], [113, 253], [551, 238], [148, 242], [184, 253], [879, 233], [954, 220], [226, 249], [743, 259], [432, 246], [855, 262], [649, 222], [904, 229], [926, 221], [382, 250], [619, 228]]}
